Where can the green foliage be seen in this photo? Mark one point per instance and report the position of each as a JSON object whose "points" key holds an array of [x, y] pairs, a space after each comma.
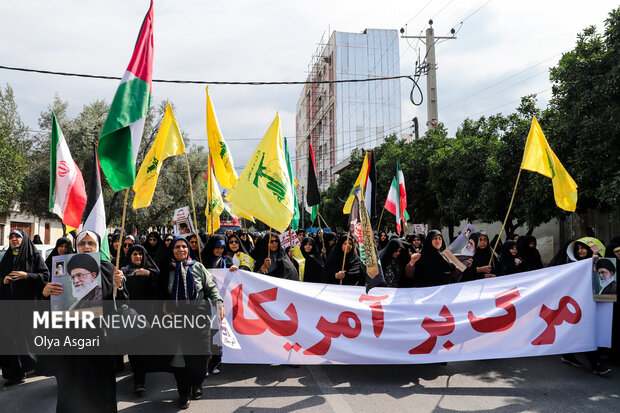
{"points": [[14, 140], [584, 113], [81, 133]]}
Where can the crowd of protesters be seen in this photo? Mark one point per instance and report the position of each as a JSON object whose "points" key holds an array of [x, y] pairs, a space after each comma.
{"points": [[155, 266]]}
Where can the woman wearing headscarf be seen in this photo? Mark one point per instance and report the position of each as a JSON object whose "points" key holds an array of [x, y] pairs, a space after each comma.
{"points": [[613, 251], [141, 274], [510, 260], [417, 242], [246, 240], [128, 242], [329, 240], [394, 260], [383, 240], [354, 272], [185, 279], [22, 276], [115, 244], [88, 383], [479, 267], [432, 268], [313, 271], [63, 246], [194, 244], [213, 255], [236, 248], [528, 251], [576, 251], [272, 260], [153, 243]]}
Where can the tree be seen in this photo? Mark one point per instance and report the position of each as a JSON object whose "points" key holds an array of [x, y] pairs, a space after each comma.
{"points": [[14, 141], [81, 134], [584, 112]]}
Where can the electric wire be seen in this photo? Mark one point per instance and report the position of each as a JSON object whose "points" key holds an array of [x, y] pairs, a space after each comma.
{"points": [[208, 82]]}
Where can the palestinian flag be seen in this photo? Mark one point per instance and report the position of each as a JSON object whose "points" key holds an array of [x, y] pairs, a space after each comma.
{"points": [[95, 210], [67, 194], [122, 131]]}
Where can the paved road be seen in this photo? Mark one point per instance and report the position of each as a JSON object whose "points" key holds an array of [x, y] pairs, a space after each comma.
{"points": [[537, 384]]}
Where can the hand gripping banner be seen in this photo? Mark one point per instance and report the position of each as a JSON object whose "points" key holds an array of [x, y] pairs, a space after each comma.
{"points": [[549, 311]]}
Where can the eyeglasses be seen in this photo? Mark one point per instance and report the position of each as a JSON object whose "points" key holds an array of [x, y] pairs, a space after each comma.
{"points": [[233, 241], [79, 275], [125, 245], [87, 243], [273, 241]]}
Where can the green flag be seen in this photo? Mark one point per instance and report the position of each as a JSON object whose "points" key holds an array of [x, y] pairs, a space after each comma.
{"points": [[296, 216]]}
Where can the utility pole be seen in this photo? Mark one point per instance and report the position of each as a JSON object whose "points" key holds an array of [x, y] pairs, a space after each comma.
{"points": [[430, 67]]}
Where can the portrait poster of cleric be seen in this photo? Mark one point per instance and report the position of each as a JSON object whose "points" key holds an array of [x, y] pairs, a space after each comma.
{"points": [[80, 275], [604, 280]]}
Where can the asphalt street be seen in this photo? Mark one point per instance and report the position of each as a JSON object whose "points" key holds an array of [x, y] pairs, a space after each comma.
{"points": [[536, 384]]}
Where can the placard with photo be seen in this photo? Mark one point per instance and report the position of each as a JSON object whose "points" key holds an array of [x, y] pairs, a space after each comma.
{"points": [[80, 276]]}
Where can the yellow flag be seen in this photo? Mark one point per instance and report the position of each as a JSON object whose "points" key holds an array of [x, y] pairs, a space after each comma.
{"points": [[222, 161], [538, 157], [168, 142], [360, 181], [215, 205], [263, 190]]}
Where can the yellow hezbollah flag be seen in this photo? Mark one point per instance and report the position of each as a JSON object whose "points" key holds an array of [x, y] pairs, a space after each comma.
{"points": [[360, 181], [215, 205], [222, 161], [168, 142], [263, 190], [538, 157]]}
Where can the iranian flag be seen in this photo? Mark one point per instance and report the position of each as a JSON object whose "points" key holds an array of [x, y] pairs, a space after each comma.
{"points": [[67, 194], [122, 132], [396, 202]]}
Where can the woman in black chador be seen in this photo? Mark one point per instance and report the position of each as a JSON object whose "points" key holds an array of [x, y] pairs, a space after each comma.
{"points": [[314, 262], [22, 276], [354, 272], [433, 268]]}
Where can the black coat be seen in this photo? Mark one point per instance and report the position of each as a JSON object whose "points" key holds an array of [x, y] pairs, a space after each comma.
{"points": [[313, 271], [432, 268], [355, 270], [29, 260]]}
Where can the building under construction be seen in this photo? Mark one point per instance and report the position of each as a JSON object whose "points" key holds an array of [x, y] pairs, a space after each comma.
{"points": [[340, 117]]}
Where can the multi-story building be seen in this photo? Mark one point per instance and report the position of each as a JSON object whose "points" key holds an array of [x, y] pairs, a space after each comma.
{"points": [[340, 117]]}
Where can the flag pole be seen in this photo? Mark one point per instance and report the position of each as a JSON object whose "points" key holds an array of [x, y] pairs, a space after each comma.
{"points": [[380, 218], [269, 242], [321, 216], [344, 257], [191, 193], [209, 196], [514, 191], [118, 251]]}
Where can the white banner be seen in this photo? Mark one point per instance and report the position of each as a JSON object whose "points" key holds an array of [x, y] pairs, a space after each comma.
{"points": [[549, 311]]}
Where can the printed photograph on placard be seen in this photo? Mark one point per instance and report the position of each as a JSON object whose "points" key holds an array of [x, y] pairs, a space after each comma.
{"points": [[463, 245], [604, 280], [80, 276], [182, 222]]}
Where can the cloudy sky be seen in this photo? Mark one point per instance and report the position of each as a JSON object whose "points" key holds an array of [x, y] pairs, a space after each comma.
{"points": [[502, 52]]}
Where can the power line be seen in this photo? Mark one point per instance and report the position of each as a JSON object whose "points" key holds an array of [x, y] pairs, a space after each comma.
{"points": [[207, 82], [499, 91], [501, 106], [504, 80]]}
